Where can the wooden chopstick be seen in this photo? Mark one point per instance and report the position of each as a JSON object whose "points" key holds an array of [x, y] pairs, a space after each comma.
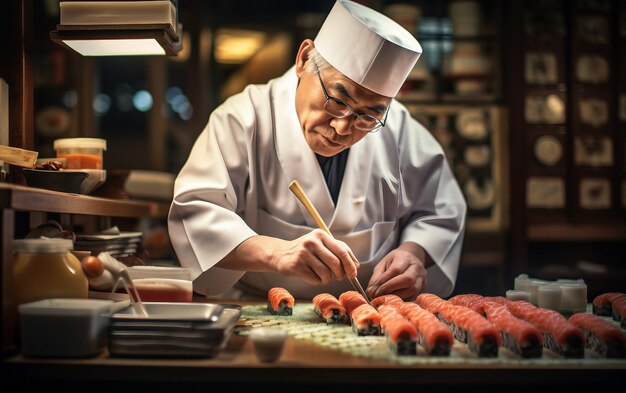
{"points": [[295, 187]]}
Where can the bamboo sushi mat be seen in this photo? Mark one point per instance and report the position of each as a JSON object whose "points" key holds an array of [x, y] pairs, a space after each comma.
{"points": [[306, 325]]}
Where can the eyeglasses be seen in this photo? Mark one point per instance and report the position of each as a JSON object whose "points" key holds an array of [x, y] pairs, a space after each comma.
{"points": [[339, 109]]}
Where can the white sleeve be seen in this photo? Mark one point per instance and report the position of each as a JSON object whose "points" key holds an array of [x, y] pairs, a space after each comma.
{"points": [[433, 205], [209, 195]]}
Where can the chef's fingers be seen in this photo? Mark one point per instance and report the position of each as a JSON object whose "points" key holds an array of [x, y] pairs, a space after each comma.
{"points": [[323, 275], [351, 264], [330, 260], [374, 281], [356, 261], [392, 268], [343, 252], [405, 280]]}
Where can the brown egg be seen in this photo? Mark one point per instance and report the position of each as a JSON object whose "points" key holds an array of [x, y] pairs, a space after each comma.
{"points": [[92, 266]]}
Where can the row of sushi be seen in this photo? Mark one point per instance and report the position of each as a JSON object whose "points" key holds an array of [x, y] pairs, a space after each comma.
{"points": [[483, 323]]}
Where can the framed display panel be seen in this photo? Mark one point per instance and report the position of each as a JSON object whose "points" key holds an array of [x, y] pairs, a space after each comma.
{"points": [[544, 66], [473, 138], [546, 151], [545, 107]]}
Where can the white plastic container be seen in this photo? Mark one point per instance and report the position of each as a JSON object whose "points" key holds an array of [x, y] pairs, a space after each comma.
{"points": [[573, 296], [516, 295], [162, 283], [65, 327], [81, 153], [549, 296]]}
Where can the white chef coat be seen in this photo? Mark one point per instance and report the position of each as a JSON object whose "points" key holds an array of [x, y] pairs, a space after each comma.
{"points": [[397, 187]]}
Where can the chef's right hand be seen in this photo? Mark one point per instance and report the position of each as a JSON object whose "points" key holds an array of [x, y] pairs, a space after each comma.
{"points": [[315, 257]]}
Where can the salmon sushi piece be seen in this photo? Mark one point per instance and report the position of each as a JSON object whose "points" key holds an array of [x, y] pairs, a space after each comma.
{"points": [[517, 335], [468, 326], [602, 336], [618, 309], [434, 336], [365, 320], [351, 300], [330, 309], [619, 312], [400, 334], [385, 299], [430, 302], [280, 301], [473, 301], [603, 304], [559, 334]]}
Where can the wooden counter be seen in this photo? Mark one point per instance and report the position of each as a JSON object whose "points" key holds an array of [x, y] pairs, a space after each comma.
{"points": [[303, 366]]}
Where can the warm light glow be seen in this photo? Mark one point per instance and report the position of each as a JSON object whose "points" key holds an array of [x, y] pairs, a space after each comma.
{"points": [[237, 46], [122, 47]]}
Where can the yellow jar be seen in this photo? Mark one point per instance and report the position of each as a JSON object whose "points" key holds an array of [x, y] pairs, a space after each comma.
{"points": [[46, 269]]}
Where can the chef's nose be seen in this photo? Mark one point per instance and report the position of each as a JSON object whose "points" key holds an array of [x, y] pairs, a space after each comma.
{"points": [[342, 126]]}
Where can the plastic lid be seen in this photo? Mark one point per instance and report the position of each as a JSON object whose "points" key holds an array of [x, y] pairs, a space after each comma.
{"points": [[43, 245], [180, 273], [66, 307], [94, 143]]}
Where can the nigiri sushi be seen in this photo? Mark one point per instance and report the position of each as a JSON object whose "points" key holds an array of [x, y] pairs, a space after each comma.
{"points": [[467, 325], [559, 334], [400, 334], [602, 336], [330, 309], [280, 301], [365, 321], [351, 300], [518, 335], [603, 304], [434, 335]]}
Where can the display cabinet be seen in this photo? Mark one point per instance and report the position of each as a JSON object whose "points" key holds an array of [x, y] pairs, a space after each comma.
{"points": [[567, 140]]}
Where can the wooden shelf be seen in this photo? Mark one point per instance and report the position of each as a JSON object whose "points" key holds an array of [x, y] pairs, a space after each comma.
{"points": [[35, 199], [576, 232]]}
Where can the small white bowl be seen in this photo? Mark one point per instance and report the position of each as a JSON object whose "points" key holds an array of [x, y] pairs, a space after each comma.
{"points": [[268, 343]]}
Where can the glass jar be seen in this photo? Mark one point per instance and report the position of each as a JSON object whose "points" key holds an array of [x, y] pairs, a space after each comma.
{"points": [[81, 153], [46, 269]]}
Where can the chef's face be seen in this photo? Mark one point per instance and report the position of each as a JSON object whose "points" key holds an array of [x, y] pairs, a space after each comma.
{"points": [[328, 135]]}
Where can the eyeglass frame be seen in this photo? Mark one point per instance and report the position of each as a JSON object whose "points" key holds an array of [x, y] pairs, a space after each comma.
{"points": [[381, 123]]}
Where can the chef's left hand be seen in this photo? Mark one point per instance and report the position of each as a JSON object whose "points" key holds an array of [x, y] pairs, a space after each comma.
{"points": [[402, 272]]}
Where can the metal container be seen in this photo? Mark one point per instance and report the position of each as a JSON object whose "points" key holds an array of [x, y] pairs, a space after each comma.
{"points": [[182, 330]]}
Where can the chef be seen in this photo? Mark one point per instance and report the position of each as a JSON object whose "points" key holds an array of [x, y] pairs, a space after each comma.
{"points": [[377, 177]]}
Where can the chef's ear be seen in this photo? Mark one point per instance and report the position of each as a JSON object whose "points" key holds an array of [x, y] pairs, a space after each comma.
{"points": [[303, 55]]}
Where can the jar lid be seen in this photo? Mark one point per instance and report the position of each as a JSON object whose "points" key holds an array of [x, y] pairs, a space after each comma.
{"points": [[65, 143], [42, 245]]}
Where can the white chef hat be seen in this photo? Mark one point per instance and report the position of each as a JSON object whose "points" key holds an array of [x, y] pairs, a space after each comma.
{"points": [[367, 47]]}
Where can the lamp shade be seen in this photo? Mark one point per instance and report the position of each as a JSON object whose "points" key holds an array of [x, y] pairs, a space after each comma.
{"points": [[114, 28]]}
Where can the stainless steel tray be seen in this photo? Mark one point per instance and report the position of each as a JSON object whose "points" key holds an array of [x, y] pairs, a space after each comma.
{"points": [[171, 338], [174, 311]]}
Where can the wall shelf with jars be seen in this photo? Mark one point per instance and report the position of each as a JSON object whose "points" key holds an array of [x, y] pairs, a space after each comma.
{"points": [[461, 42]]}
